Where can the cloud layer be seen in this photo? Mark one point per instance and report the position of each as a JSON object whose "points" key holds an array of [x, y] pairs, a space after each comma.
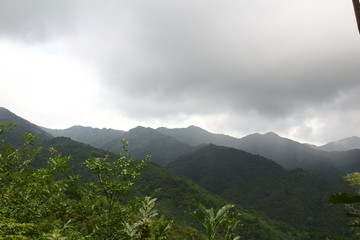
{"points": [[236, 66]]}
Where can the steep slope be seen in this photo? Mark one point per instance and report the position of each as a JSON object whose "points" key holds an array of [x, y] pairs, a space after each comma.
{"points": [[295, 197], [342, 145], [23, 127]]}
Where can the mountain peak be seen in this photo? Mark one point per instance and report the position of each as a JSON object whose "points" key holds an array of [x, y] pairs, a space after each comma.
{"points": [[271, 134], [268, 135], [196, 128], [193, 126], [141, 128]]}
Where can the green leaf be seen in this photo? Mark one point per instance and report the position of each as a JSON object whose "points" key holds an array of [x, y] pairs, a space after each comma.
{"points": [[349, 214], [344, 198], [224, 210]]}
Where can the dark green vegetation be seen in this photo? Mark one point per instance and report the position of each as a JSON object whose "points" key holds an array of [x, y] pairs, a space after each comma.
{"points": [[351, 200], [23, 126], [286, 152], [165, 145], [295, 197], [144, 141], [51, 203]]}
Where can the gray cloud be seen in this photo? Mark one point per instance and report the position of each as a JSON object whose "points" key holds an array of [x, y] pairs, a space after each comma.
{"points": [[36, 20], [272, 64]]}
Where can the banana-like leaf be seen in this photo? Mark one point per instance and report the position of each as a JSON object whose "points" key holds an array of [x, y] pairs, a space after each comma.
{"points": [[224, 210], [344, 198], [349, 214]]}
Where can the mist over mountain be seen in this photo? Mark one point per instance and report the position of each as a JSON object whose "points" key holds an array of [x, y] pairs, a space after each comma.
{"points": [[290, 154], [195, 136], [165, 145], [100, 138], [162, 148], [286, 152], [342, 145], [142, 142]]}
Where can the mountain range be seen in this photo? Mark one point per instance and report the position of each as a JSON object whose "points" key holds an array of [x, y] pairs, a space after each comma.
{"points": [[178, 197], [165, 145], [286, 180]]}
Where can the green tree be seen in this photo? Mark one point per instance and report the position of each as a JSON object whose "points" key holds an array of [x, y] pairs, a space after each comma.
{"points": [[147, 226], [114, 179], [54, 202], [31, 198], [219, 224], [351, 201], [51, 202]]}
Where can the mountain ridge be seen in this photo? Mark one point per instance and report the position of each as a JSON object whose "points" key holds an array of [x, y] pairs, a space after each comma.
{"points": [[6, 116], [165, 145], [286, 152], [344, 144], [143, 141], [173, 197]]}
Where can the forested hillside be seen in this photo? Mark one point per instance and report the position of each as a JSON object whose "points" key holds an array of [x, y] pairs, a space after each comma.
{"points": [[144, 141], [229, 175], [255, 181], [286, 152]]}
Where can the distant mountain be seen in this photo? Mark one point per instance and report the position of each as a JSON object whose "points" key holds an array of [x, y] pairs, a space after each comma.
{"points": [[342, 145], [142, 141], [295, 197], [288, 153], [23, 127], [100, 138], [165, 145], [162, 148], [177, 197], [346, 161], [195, 136]]}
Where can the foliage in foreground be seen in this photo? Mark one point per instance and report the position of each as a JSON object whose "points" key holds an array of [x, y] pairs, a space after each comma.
{"points": [[351, 202], [52, 203]]}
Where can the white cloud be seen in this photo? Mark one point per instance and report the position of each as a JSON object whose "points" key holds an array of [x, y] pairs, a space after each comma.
{"points": [[58, 88]]}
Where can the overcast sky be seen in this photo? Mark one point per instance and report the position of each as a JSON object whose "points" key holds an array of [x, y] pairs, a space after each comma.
{"points": [[228, 66]]}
